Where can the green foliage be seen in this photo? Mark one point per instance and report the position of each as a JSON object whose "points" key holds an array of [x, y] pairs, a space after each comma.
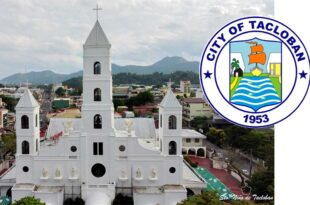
{"points": [[260, 142], [120, 199], [235, 64], [262, 183], [157, 79], [75, 83], [10, 102], [200, 122], [60, 92], [217, 137], [76, 92], [29, 200], [141, 99], [9, 141]]}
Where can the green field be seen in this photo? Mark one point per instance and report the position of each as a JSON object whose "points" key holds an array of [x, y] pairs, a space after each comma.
{"points": [[234, 89], [277, 85]]}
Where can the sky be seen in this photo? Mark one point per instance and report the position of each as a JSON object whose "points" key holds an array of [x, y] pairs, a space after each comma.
{"points": [[48, 35]]}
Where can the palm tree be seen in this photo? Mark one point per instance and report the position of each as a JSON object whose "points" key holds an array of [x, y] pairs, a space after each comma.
{"points": [[234, 65]]}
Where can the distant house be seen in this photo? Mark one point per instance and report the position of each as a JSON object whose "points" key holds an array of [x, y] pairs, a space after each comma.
{"points": [[193, 143], [185, 86], [195, 107], [144, 108]]}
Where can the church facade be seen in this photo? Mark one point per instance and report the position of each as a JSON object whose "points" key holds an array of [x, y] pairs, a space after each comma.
{"points": [[88, 156]]}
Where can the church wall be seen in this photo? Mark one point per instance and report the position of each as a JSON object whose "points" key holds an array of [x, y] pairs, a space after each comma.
{"points": [[62, 147], [50, 164], [55, 198], [23, 161]]}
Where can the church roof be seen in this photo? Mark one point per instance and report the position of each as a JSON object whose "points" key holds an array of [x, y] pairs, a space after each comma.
{"points": [[170, 101], [27, 100], [97, 36]]}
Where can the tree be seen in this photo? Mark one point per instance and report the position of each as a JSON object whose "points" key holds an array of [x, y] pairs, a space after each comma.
{"points": [[9, 141], [234, 65], [10, 102], [60, 92], [29, 200], [200, 122], [262, 183], [143, 98]]}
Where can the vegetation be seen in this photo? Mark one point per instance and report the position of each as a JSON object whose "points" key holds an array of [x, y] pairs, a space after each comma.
{"points": [[260, 143], [75, 83], [10, 102], [9, 141], [29, 200], [141, 99], [200, 123], [156, 79], [120, 199], [60, 92]]}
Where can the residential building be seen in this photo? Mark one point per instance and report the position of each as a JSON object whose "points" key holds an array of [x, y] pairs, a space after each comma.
{"points": [[195, 107]]}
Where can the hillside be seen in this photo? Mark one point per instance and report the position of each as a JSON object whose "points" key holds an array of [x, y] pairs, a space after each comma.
{"points": [[166, 66], [148, 79], [40, 77]]}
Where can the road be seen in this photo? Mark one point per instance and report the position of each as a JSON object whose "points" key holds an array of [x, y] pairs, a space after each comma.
{"points": [[239, 161]]}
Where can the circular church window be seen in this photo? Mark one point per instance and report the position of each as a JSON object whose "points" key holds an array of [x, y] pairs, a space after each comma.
{"points": [[122, 148], [98, 170], [25, 169], [172, 170], [73, 148]]}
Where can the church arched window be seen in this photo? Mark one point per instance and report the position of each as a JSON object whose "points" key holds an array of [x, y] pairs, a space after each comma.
{"points": [[172, 122], [97, 122], [25, 122], [97, 68], [97, 94], [36, 120], [172, 148], [25, 147]]}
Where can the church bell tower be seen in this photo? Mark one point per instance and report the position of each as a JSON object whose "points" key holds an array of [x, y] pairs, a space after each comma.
{"points": [[97, 109]]}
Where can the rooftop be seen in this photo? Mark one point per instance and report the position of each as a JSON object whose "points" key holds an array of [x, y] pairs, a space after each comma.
{"points": [[27, 100], [97, 37], [193, 100]]}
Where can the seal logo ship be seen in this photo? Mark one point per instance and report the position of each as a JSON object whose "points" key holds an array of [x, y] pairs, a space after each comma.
{"points": [[259, 86], [256, 56]]}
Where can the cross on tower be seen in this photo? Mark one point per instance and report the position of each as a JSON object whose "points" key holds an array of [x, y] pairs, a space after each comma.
{"points": [[97, 9]]}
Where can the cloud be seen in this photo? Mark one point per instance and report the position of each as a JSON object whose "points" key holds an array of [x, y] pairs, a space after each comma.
{"points": [[49, 34]]}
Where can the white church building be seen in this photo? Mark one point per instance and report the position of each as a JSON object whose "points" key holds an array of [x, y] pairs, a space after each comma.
{"points": [[88, 157]]}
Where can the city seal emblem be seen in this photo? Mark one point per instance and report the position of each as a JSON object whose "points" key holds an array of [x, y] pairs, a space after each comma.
{"points": [[255, 72]]}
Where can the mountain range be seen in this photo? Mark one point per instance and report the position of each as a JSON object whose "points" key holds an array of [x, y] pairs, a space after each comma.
{"points": [[166, 65]]}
